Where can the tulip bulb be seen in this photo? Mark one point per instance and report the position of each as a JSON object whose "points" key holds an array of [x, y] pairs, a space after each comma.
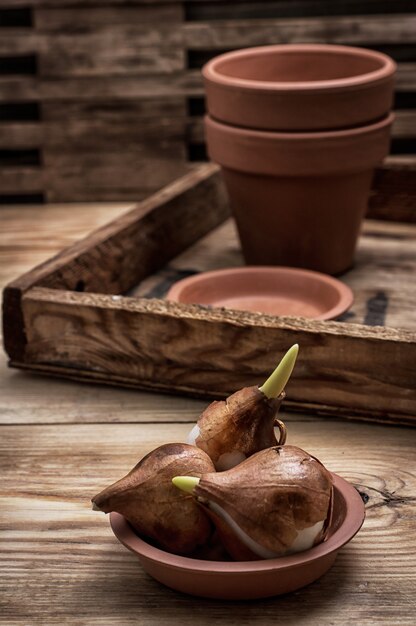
{"points": [[232, 430], [275, 503], [149, 501]]}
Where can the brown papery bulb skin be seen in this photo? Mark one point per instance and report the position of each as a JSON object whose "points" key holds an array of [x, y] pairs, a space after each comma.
{"points": [[147, 498], [271, 497], [244, 422]]}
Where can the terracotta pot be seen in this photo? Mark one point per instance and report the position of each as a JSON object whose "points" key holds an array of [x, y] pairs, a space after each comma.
{"points": [[246, 580], [299, 87], [299, 198]]}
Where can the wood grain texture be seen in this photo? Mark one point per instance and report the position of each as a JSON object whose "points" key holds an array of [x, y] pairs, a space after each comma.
{"points": [[180, 84], [130, 48], [394, 191], [352, 30], [141, 229], [97, 125], [133, 175], [121, 45], [60, 18], [125, 251], [381, 281], [110, 338], [31, 234], [114, 339], [131, 52], [21, 179], [60, 560]]}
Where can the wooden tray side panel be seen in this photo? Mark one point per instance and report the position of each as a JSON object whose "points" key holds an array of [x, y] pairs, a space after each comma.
{"points": [[393, 194], [154, 344]]}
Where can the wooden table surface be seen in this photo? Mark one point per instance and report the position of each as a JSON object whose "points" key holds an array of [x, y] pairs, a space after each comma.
{"points": [[62, 442]]}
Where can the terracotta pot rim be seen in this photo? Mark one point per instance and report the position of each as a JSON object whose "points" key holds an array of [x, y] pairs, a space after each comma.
{"points": [[210, 70], [349, 527], [294, 136]]}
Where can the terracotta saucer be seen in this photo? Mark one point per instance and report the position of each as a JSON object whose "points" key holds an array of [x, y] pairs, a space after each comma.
{"points": [[271, 290], [249, 579]]}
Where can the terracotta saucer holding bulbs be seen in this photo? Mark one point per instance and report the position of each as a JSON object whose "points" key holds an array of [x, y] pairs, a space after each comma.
{"points": [[249, 579], [271, 290]]}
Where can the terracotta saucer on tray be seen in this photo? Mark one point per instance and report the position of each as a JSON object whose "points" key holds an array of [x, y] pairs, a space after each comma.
{"points": [[233, 580], [270, 290]]}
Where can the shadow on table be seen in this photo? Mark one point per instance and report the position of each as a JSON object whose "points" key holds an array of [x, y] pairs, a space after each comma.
{"points": [[130, 596]]}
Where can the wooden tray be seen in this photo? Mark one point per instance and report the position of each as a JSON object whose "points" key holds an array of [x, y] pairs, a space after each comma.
{"points": [[68, 317]]}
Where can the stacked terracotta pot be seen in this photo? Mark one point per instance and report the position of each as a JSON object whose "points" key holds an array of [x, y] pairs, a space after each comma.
{"points": [[298, 131]]}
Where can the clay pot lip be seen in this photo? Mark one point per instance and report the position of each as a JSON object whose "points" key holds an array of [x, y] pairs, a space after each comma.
{"points": [[302, 136], [352, 523], [211, 71], [344, 293]]}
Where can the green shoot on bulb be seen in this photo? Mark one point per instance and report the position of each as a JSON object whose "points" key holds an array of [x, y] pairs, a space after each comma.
{"points": [[277, 381]]}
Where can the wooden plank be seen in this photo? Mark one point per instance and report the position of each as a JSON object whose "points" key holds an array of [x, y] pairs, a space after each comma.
{"points": [[61, 192], [16, 41], [32, 234], [353, 30], [404, 125], [21, 134], [46, 520], [113, 53], [129, 48], [198, 349], [405, 77], [117, 256], [125, 139], [392, 200], [90, 18], [176, 84], [393, 192], [21, 179], [97, 173], [22, 401], [77, 136], [179, 200], [239, 9], [102, 126], [146, 110], [140, 154], [85, 3], [15, 89]]}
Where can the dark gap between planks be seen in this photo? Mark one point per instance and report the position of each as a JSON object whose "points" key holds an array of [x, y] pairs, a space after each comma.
{"points": [[16, 65], [401, 53], [20, 157], [22, 198], [19, 111], [227, 10], [15, 17]]}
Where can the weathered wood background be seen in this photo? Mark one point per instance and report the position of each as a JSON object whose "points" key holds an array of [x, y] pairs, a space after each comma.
{"points": [[103, 99]]}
